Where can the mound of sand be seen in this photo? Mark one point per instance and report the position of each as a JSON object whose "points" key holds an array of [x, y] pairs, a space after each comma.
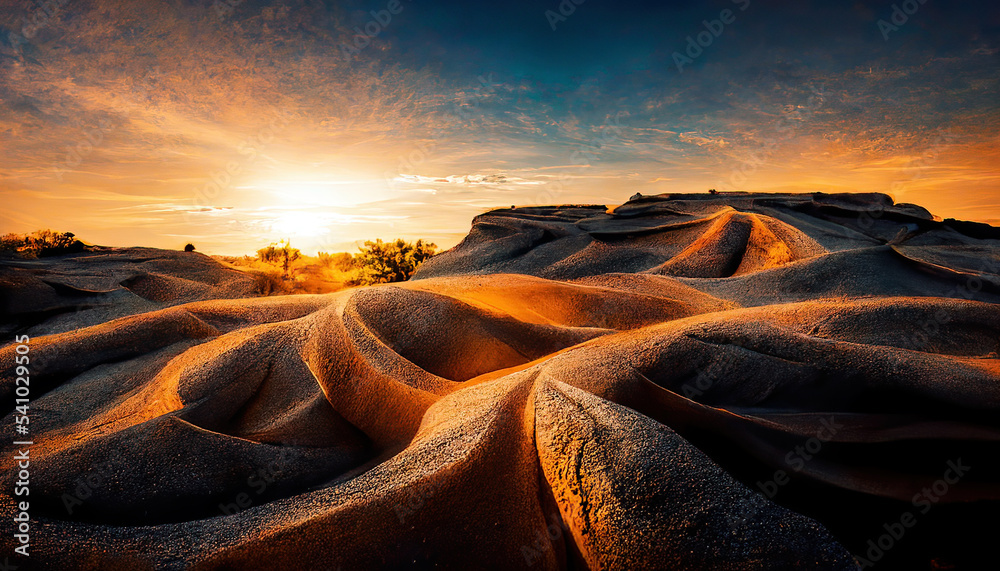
{"points": [[681, 382], [62, 293]]}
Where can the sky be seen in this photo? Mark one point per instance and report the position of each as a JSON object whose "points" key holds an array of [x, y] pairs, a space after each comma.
{"points": [[235, 123]]}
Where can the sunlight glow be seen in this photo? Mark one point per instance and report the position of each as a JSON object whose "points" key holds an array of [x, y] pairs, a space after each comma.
{"points": [[300, 223], [308, 190]]}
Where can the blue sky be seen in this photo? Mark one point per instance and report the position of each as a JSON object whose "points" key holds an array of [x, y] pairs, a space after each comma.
{"points": [[235, 124]]}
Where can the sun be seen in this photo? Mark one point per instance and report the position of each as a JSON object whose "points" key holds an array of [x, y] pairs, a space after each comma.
{"points": [[300, 223]]}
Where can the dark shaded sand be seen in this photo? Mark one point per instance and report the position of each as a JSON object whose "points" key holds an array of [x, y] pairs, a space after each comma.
{"points": [[568, 388]]}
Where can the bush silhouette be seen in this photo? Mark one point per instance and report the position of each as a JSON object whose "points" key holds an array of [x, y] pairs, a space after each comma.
{"points": [[189, 248], [281, 252], [42, 243], [11, 242], [386, 262]]}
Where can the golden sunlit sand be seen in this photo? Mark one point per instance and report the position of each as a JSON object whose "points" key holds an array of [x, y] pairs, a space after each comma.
{"points": [[724, 381]]}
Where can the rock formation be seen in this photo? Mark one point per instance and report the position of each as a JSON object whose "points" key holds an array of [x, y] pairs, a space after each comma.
{"points": [[682, 382]]}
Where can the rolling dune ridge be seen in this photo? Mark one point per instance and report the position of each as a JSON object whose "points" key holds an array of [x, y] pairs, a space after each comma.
{"points": [[682, 382]]}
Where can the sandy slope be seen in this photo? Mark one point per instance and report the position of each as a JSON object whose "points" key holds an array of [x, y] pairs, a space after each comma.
{"points": [[724, 382], [57, 294]]}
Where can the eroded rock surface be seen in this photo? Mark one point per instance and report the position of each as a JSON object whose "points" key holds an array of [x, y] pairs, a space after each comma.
{"points": [[681, 382]]}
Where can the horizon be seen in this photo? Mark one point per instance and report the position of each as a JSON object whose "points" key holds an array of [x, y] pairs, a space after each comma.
{"points": [[350, 247], [232, 124]]}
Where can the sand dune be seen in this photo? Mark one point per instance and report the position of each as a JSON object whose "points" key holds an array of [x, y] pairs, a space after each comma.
{"points": [[681, 382], [63, 293]]}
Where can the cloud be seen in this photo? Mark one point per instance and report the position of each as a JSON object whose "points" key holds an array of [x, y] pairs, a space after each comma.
{"points": [[498, 180], [124, 121]]}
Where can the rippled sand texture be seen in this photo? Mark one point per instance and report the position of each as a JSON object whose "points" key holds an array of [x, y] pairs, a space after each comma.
{"points": [[683, 382]]}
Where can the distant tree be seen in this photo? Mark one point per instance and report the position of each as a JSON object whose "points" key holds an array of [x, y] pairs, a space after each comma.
{"points": [[343, 261], [279, 252], [713, 191], [189, 248], [386, 262]]}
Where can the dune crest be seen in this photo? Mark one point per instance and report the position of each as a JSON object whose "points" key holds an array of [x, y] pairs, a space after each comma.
{"points": [[683, 381]]}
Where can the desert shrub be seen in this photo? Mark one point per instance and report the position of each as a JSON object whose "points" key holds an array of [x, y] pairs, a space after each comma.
{"points": [[342, 261], [11, 242], [280, 252], [270, 282], [189, 248], [41, 243], [385, 262]]}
